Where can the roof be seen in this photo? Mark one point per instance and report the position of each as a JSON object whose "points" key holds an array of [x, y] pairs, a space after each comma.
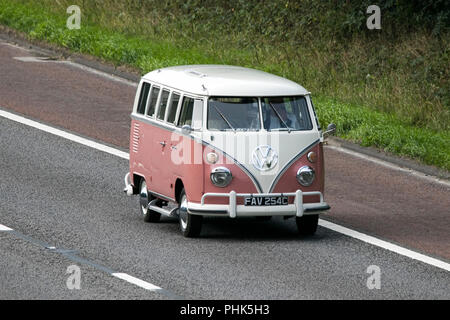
{"points": [[223, 80]]}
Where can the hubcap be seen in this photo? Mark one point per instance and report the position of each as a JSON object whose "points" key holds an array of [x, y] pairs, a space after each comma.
{"points": [[143, 198], [183, 212]]}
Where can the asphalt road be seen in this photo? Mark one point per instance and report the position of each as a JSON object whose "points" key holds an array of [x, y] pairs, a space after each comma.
{"points": [[57, 193]]}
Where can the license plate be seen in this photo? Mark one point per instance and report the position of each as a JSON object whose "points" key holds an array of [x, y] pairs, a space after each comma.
{"points": [[266, 201]]}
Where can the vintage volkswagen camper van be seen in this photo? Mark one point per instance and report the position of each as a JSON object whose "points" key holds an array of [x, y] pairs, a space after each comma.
{"points": [[215, 140]]}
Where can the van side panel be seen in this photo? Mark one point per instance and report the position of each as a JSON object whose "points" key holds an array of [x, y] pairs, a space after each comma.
{"points": [[162, 166], [187, 165]]}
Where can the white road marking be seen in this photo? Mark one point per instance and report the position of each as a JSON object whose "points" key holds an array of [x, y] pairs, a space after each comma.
{"points": [[64, 134], [390, 165], [14, 46], [36, 59], [138, 282], [4, 228], [385, 245], [329, 225], [71, 63], [102, 73]]}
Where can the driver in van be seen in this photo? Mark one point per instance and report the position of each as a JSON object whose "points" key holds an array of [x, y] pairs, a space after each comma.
{"points": [[274, 121]]}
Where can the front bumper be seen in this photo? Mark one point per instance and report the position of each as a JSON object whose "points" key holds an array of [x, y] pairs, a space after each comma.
{"points": [[233, 210]]}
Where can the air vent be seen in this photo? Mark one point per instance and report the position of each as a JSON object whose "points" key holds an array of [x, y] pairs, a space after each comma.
{"points": [[196, 73], [135, 140]]}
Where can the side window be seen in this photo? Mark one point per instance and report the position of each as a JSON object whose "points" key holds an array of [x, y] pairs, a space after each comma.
{"points": [[163, 104], [143, 98], [173, 108], [187, 108], [153, 99]]}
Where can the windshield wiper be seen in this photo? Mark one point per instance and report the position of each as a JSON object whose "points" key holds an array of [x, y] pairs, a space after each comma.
{"points": [[224, 119], [279, 117]]}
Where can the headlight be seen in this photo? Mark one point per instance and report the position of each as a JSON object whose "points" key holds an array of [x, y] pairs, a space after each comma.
{"points": [[305, 176], [221, 177]]}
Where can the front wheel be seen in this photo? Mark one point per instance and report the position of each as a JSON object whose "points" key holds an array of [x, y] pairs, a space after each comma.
{"points": [[307, 225], [190, 224]]}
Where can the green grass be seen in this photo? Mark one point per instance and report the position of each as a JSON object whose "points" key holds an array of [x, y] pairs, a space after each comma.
{"points": [[398, 110]]}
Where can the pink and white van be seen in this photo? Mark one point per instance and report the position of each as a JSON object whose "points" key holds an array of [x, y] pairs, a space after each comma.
{"points": [[214, 140]]}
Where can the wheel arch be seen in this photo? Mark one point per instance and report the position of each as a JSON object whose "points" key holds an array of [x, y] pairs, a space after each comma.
{"points": [[178, 187]]}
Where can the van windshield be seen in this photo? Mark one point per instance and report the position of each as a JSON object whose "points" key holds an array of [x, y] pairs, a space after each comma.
{"points": [[285, 113], [233, 113]]}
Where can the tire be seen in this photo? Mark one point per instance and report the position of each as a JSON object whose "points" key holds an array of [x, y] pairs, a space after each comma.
{"points": [[307, 225], [144, 200], [263, 218], [190, 225]]}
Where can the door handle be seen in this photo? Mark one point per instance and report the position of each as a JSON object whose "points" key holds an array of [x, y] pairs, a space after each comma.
{"points": [[173, 147], [163, 143]]}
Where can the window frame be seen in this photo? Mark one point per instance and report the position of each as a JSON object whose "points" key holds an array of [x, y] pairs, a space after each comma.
{"points": [[166, 116], [156, 103], [141, 88], [159, 104], [261, 126], [294, 96], [180, 108]]}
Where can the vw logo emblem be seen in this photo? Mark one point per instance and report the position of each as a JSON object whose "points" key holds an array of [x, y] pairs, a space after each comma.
{"points": [[264, 158]]}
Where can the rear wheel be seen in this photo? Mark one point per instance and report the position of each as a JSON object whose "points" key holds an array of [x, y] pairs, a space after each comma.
{"points": [[190, 224], [307, 225], [144, 199]]}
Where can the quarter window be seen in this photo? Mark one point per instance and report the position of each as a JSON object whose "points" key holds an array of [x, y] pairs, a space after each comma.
{"points": [[173, 108], [143, 98], [153, 99], [163, 104]]}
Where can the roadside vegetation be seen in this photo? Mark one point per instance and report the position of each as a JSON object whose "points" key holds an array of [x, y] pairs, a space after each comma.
{"points": [[385, 88]]}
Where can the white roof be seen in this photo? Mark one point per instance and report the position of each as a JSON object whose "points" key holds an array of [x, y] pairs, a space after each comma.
{"points": [[223, 80]]}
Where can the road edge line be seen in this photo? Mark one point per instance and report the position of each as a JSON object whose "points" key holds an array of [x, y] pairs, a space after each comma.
{"points": [[385, 245], [64, 134]]}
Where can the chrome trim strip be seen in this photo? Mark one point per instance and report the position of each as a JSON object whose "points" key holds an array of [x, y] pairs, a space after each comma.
{"points": [[161, 195]]}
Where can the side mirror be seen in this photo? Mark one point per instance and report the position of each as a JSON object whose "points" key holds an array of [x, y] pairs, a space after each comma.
{"points": [[331, 130], [186, 129]]}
